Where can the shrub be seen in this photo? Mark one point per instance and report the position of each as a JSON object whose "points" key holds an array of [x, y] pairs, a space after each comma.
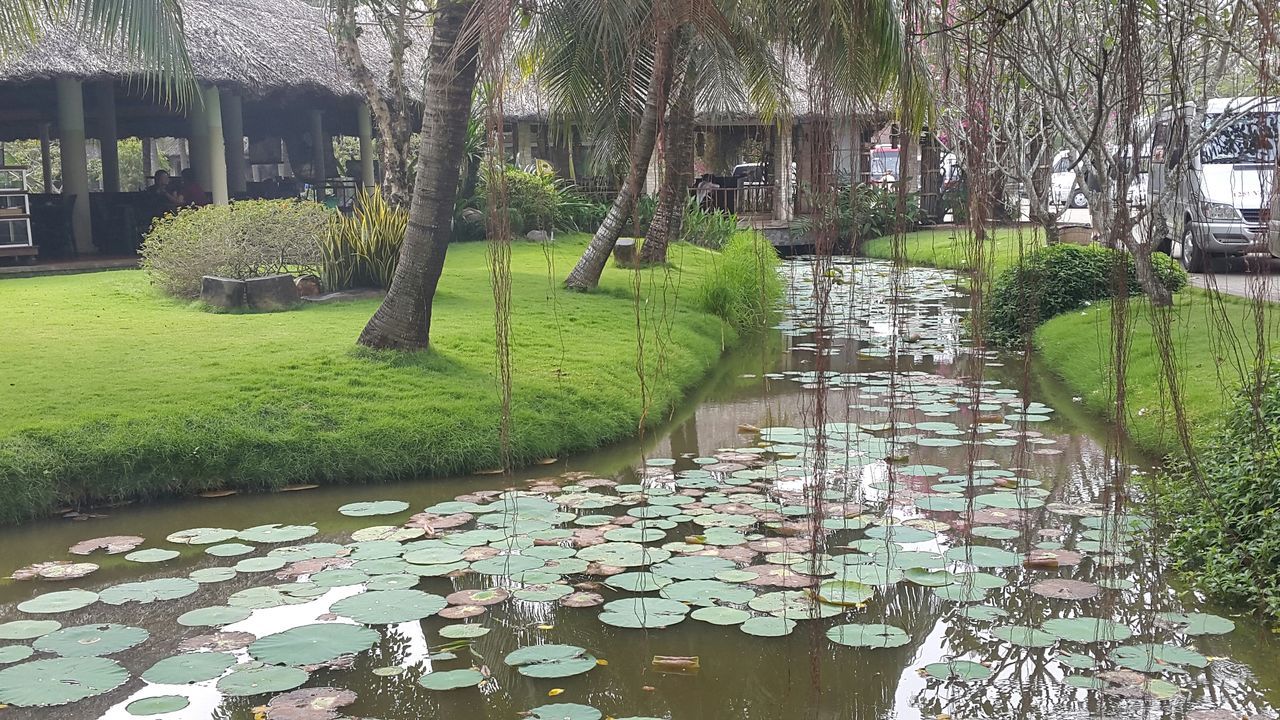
{"points": [[539, 201], [707, 229], [1062, 278], [361, 249], [744, 287], [1225, 532], [244, 239]]}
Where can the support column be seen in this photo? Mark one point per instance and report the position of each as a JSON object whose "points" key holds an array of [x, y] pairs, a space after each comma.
{"points": [[75, 166], [233, 139], [784, 151], [364, 125], [318, 139], [148, 159], [524, 144], [198, 139], [46, 158], [104, 94], [216, 160]]}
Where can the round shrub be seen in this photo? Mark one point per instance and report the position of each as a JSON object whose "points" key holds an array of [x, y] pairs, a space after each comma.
{"points": [[244, 239], [1062, 278]]}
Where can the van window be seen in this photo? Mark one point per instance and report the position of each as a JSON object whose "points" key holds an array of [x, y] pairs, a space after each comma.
{"points": [[1063, 164], [1250, 138], [1159, 141]]}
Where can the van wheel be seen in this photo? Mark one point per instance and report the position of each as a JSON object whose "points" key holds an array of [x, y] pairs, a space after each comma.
{"points": [[1192, 257], [1078, 200]]}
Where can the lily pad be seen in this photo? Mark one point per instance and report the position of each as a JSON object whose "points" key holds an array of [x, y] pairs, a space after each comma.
{"points": [[57, 602], [375, 507], [1087, 630], [43, 683], [157, 705], [564, 711], [149, 591], [1024, 635], [1064, 589], [720, 615], [112, 545], [705, 593], [27, 629], [91, 640], [1150, 657], [844, 593], [551, 661], [14, 653], [263, 679], [868, 635], [187, 668], [451, 679], [768, 626], [201, 536], [214, 616], [313, 644], [643, 613], [152, 555], [386, 607], [958, 670], [320, 703], [229, 549], [1197, 623], [983, 556], [277, 533], [463, 631]]}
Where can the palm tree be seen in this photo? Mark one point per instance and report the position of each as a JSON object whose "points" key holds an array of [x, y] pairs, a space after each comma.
{"points": [[403, 321], [148, 31]]}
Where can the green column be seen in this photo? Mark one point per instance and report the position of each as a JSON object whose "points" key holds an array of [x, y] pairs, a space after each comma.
{"points": [[365, 125], [75, 166]]}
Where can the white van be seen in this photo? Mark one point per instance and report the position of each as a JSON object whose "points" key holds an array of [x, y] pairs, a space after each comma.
{"points": [[1063, 188], [1221, 204]]}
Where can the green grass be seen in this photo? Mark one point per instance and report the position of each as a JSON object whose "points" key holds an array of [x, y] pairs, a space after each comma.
{"points": [[1213, 341], [952, 247], [113, 392]]}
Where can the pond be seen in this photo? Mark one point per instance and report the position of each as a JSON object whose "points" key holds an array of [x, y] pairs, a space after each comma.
{"points": [[949, 545]]}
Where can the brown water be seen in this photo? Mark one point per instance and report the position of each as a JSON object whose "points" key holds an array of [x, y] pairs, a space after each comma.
{"points": [[803, 674]]}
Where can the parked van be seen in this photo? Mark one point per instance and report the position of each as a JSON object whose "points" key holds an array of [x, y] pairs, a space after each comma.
{"points": [[1063, 188], [1223, 202]]}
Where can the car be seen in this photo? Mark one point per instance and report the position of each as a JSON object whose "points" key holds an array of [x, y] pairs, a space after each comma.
{"points": [[1064, 188]]}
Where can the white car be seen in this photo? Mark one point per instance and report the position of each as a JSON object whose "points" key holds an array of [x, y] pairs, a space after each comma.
{"points": [[1063, 186]]}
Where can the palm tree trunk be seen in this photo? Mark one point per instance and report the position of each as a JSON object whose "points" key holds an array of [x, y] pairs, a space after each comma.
{"points": [[586, 274], [673, 197], [403, 322]]}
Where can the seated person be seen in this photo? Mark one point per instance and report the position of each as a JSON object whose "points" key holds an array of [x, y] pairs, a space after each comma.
{"points": [[191, 192], [162, 188]]}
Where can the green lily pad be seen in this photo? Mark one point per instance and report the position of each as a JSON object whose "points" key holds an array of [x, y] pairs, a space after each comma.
{"points": [[1198, 623], [151, 555], [1024, 635], [214, 616], [868, 635], [91, 640], [149, 591], [188, 668], [768, 626], [564, 711], [1079, 662], [57, 602], [260, 564], [1150, 657], [720, 615], [386, 607], [43, 683], [507, 565], [958, 670], [212, 574], [983, 556], [551, 661], [229, 549], [844, 593], [639, 582], [201, 536], [983, 613], [14, 653], [1087, 630], [625, 555], [643, 613], [27, 629], [705, 593], [930, 578], [157, 705], [277, 533], [260, 680], [374, 507], [312, 644], [451, 679], [463, 631], [1084, 682]]}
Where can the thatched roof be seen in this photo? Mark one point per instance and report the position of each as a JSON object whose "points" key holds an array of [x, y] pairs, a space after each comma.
{"points": [[253, 46]]}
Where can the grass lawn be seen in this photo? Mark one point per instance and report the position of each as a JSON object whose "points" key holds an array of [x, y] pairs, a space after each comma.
{"points": [[115, 392], [1213, 342], [952, 247]]}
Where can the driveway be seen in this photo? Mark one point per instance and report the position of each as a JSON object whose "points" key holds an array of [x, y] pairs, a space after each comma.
{"points": [[1248, 277]]}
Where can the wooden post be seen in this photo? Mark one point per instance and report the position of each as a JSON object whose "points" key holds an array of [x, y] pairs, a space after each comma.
{"points": [[105, 99], [318, 139], [46, 158], [784, 151], [233, 140], [624, 252], [75, 166]]}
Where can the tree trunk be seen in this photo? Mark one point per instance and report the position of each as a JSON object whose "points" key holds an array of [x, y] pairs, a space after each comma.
{"points": [[403, 322], [586, 274], [673, 197]]}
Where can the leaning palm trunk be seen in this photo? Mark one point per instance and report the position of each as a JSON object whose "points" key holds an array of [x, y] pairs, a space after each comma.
{"points": [[403, 322], [586, 274], [677, 144]]}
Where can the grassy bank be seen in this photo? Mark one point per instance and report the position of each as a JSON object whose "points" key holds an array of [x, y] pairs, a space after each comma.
{"points": [[952, 248], [113, 392], [1213, 340]]}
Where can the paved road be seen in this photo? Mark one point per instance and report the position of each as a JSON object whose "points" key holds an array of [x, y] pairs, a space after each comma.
{"points": [[1246, 277]]}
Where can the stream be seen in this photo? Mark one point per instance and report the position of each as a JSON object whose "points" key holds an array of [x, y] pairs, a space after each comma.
{"points": [[951, 544]]}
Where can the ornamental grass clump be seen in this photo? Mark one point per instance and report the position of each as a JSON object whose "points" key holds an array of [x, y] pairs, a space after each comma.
{"points": [[361, 249], [744, 287], [244, 239]]}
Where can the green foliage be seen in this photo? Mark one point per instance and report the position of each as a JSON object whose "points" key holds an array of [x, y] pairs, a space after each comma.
{"points": [[868, 211], [744, 288], [126, 395], [27, 153], [953, 248], [361, 249], [1060, 278], [535, 201], [244, 239], [1225, 531], [707, 229]]}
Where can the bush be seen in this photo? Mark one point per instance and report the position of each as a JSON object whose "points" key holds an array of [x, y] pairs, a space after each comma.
{"points": [[362, 249], [245, 239], [707, 229], [539, 201], [1225, 532], [744, 288], [1062, 278]]}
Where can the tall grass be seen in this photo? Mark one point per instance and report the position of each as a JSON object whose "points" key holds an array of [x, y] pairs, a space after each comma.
{"points": [[744, 287], [362, 249]]}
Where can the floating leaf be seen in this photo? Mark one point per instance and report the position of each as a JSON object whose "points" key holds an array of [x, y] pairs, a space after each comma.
{"points": [[643, 613], [451, 679], [320, 703], [373, 507], [1157, 658], [152, 555], [983, 556], [149, 591], [112, 545], [844, 593], [313, 644], [768, 626], [1063, 589], [1087, 630], [214, 616], [386, 607], [187, 668], [1198, 623], [958, 670], [705, 593], [277, 533], [157, 705], [264, 679], [565, 711], [14, 653], [868, 635], [551, 661], [720, 615], [27, 629], [61, 601], [201, 536], [91, 640], [1024, 635], [229, 549], [464, 631], [59, 681]]}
